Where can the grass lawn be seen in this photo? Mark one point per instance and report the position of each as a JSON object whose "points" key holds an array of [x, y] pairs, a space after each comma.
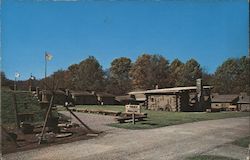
{"points": [[243, 142], [160, 119], [209, 157]]}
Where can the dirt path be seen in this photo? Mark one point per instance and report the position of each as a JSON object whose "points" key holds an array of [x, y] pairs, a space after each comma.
{"points": [[173, 142]]}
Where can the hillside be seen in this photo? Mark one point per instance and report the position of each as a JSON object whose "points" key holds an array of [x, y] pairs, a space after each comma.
{"points": [[26, 103]]}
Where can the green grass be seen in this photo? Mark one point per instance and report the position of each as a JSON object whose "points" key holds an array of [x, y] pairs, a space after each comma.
{"points": [[210, 157], [160, 119], [26, 103], [243, 142]]}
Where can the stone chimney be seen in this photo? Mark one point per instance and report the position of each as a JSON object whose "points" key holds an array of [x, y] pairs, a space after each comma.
{"points": [[199, 92], [156, 86], [199, 87]]}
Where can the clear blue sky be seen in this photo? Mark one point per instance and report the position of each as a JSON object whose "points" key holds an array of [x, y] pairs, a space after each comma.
{"points": [[209, 31]]}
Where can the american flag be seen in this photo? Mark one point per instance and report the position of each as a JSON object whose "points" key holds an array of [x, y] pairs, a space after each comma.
{"points": [[48, 56], [17, 75]]}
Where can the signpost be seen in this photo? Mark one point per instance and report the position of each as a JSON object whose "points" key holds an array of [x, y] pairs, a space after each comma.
{"points": [[133, 109]]}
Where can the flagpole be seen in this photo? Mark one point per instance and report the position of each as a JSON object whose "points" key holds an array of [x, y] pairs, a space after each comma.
{"points": [[45, 65], [15, 84], [45, 75]]}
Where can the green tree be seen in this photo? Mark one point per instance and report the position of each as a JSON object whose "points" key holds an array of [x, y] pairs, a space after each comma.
{"points": [[243, 80], [73, 75], [119, 80], [188, 73], [174, 69], [63, 77], [149, 71], [140, 71], [4, 80], [160, 71], [207, 78], [90, 75], [232, 76]]}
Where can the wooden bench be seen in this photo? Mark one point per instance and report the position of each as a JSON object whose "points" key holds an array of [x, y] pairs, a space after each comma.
{"points": [[126, 114], [137, 117]]}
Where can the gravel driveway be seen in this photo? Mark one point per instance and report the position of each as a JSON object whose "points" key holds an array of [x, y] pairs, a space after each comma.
{"points": [[95, 121], [171, 143]]}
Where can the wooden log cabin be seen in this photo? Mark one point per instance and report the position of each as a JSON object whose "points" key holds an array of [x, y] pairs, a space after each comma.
{"points": [[126, 99], [83, 98], [178, 99], [105, 98], [244, 102], [224, 102]]}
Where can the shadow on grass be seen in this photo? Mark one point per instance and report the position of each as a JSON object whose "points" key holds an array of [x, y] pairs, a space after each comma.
{"points": [[151, 124]]}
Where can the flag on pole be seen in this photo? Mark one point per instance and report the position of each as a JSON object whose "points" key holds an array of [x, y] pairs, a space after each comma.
{"points": [[17, 75], [48, 56]]}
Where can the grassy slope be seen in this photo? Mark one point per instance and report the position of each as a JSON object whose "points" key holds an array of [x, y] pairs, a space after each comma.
{"points": [[160, 119], [26, 103]]}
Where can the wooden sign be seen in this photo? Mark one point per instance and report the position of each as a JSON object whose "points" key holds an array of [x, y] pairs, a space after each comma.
{"points": [[132, 108]]}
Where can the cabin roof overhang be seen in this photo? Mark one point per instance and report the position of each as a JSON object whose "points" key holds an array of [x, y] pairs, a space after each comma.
{"points": [[170, 90]]}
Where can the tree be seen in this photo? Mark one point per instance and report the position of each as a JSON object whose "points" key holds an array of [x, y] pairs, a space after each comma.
{"points": [[207, 77], [149, 71], [160, 71], [189, 73], [73, 76], [174, 69], [232, 76], [63, 77], [140, 71], [119, 80], [4, 80], [90, 75], [243, 80]]}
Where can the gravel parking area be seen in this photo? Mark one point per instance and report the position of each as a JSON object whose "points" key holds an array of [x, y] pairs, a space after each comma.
{"points": [[172, 142], [95, 121]]}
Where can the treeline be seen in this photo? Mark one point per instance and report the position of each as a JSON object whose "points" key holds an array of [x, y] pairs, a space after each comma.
{"points": [[148, 72]]}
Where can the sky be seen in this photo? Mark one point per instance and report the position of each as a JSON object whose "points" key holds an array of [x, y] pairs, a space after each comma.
{"points": [[209, 31]]}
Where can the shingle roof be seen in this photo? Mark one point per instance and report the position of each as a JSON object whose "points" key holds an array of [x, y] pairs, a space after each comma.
{"points": [[81, 93], [244, 100], [49, 92], [125, 97], [224, 98], [103, 94]]}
